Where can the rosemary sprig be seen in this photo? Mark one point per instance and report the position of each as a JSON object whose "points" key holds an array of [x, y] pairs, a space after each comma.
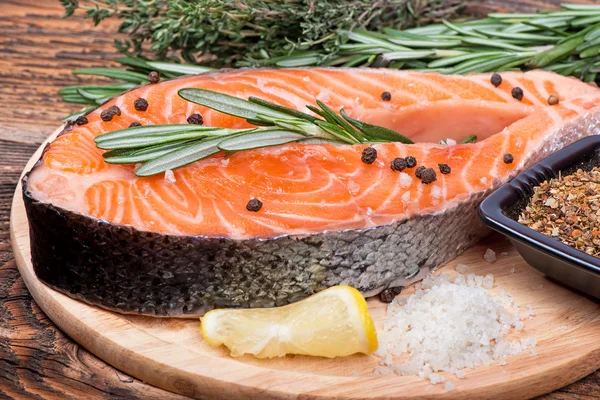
{"points": [[164, 147], [565, 41]]}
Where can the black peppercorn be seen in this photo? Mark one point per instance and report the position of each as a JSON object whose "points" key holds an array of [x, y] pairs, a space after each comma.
{"points": [[553, 100], [369, 155], [445, 168], [411, 162], [140, 104], [254, 205], [134, 124], [107, 115], [508, 158], [428, 175], [154, 77], [419, 171], [517, 93], [81, 120], [115, 110], [195, 119], [386, 96], [496, 80], [398, 164], [387, 296]]}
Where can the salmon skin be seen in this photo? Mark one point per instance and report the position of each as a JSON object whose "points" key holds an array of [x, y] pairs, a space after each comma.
{"points": [[183, 244]]}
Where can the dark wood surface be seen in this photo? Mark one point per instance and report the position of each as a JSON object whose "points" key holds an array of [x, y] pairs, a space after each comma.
{"points": [[38, 49]]}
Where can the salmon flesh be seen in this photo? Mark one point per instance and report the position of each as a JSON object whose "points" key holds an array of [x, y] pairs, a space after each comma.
{"points": [[182, 244]]}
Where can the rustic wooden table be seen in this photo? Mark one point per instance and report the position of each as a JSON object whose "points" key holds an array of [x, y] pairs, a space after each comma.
{"points": [[38, 51]]}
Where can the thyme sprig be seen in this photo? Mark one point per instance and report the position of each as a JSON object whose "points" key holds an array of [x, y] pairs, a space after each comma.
{"points": [[234, 32], [166, 147]]}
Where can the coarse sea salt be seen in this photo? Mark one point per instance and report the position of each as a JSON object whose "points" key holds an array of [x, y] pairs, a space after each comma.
{"points": [[447, 326], [462, 268], [490, 256], [170, 176]]}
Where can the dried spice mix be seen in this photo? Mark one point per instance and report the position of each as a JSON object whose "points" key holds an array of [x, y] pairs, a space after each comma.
{"points": [[568, 209]]}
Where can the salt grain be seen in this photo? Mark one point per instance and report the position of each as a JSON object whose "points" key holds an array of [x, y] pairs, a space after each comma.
{"points": [[504, 253], [502, 362], [462, 268], [170, 176], [490, 256], [353, 187], [488, 281], [448, 386]]}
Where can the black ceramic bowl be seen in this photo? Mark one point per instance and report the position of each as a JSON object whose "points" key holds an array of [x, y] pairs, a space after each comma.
{"points": [[501, 210]]}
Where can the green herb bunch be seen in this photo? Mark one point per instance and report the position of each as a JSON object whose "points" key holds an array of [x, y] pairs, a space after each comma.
{"points": [[244, 32]]}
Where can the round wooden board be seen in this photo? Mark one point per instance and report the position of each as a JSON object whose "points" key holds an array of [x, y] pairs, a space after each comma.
{"points": [[171, 354]]}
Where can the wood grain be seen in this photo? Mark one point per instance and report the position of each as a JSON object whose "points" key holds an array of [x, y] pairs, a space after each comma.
{"points": [[39, 49]]}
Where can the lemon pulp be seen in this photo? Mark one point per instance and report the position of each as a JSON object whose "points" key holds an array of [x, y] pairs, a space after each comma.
{"points": [[332, 323]]}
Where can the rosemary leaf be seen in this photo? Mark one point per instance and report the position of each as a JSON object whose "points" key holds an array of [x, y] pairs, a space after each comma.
{"points": [[142, 155], [282, 109], [469, 139], [127, 76], [137, 141], [258, 139], [178, 158], [229, 104], [150, 130], [376, 133], [179, 69], [340, 121], [90, 95]]}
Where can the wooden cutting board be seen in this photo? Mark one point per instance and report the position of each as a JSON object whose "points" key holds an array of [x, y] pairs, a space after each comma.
{"points": [[171, 354]]}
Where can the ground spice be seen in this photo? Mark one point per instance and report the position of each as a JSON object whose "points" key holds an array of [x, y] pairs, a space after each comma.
{"points": [[386, 96], [411, 162], [496, 80], [369, 155], [195, 119], [508, 158], [154, 77], [254, 205], [398, 164], [444, 168], [553, 100], [568, 209], [134, 124], [140, 104], [517, 93], [81, 120]]}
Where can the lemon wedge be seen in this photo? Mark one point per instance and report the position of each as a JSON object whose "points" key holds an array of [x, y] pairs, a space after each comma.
{"points": [[332, 323]]}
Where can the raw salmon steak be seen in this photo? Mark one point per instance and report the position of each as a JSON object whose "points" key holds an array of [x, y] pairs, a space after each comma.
{"points": [[181, 243]]}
